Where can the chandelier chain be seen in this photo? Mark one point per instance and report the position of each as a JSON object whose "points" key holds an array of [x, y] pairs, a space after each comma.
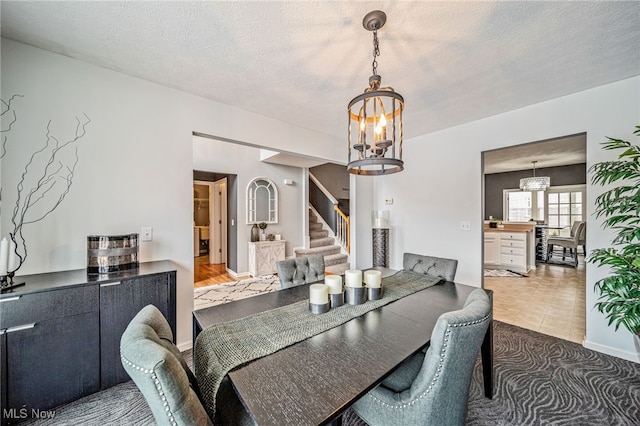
{"points": [[376, 52]]}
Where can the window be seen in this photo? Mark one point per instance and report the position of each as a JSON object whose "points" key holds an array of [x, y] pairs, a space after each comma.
{"points": [[566, 205], [522, 206], [519, 206], [559, 206]]}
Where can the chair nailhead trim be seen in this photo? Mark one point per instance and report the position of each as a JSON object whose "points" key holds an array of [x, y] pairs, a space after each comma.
{"points": [[151, 372], [438, 370]]}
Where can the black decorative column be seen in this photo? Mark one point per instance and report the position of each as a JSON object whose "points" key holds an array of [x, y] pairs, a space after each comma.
{"points": [[380, 237]]}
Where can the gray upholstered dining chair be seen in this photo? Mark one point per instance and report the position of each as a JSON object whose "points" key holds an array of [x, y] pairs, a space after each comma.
{"points": [[436, 266], [582, 240], [156, 366], [433, 387], [300, 270], [571, 243]]}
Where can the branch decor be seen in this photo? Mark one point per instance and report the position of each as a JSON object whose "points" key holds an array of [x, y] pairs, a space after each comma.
{"points": [[44, 183]]}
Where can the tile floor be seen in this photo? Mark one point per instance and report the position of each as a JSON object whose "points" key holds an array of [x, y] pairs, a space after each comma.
{"points": [[551, 300]]}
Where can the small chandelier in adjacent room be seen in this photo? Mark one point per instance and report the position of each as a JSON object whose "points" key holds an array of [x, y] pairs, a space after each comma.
{"points": [[535, 183], [375, 119]]}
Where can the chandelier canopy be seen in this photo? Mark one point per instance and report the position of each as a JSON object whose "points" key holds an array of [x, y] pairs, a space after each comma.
{"points": [[375, 119], [535, 183]]}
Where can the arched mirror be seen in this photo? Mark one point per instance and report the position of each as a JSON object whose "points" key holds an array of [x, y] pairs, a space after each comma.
{"points": [[262, 201]]}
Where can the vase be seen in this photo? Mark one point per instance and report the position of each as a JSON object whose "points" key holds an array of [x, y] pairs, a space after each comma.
{"points": [[255, 233]]}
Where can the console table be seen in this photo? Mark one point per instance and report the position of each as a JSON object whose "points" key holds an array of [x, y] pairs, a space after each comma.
{"points": [[263, 256], [60, 333]]}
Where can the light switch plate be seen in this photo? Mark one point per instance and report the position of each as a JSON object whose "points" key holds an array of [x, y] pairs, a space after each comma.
{"points": [[146, 234], [465, 225], [388, 201]]}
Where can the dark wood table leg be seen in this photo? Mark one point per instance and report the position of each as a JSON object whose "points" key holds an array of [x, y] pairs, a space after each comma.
{"points": [[197, 329], [487, 361]]}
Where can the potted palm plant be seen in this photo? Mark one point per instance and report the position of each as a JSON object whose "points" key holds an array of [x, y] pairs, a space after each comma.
{"points": [[620, 208]]}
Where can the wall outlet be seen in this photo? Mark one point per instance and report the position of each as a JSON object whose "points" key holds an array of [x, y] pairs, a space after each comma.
{"points": [[146, 233], [465, 225], [388, 201]]}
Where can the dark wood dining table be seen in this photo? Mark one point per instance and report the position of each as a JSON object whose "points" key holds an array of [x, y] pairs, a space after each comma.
{"points": [[313, 381]]}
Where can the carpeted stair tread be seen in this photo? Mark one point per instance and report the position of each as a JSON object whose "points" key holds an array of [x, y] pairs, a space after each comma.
{"points": [[324, 241], [335, 259], [315, 226], [318, 234], [324, 250]]}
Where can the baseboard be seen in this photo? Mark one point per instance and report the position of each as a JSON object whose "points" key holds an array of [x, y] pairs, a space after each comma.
{"points": [[629, 356], [185, 346], [236, 275]]}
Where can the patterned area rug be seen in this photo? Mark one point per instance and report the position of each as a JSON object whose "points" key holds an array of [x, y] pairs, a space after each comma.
{"points": [[503, 273], [223, 293], [540, 380]]}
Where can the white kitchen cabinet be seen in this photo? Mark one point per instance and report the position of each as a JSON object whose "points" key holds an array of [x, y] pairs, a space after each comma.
{"points": [[263, 256], [513, 251], [509, 250], [491, 248]]}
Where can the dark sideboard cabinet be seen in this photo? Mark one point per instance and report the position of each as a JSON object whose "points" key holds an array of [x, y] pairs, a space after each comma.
{"points": [[60, 333]]}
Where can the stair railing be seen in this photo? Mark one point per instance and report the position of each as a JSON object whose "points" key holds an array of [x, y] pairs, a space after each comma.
{"points": [[342, 225], [328, 207]]}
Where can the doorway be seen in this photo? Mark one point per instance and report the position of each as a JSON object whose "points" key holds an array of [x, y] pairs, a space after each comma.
{"points": [[548, 298], [215, 205]]}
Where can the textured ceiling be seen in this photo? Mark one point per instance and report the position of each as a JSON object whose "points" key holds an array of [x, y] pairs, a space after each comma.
{"points": [[561, 151], [303, 61]]}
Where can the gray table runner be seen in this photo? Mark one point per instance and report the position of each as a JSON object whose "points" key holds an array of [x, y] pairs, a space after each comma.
{"points": [[222, 347]]}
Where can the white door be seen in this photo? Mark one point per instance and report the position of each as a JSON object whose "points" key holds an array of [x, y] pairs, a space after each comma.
{"points": [[218, 242]]}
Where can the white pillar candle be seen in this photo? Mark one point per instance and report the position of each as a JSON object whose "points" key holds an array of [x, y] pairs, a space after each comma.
{"points": [[318, 294], [4, 256], [353, 278], [334, 282], [373, 279], [13, 259]]}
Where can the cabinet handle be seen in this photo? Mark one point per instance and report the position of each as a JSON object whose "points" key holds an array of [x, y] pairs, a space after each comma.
{"points": [[111, 284], [9, 299], [20, 327]]}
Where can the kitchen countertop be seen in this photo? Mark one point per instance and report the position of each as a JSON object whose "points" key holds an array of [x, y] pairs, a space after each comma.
{"points": [[511, 227]]}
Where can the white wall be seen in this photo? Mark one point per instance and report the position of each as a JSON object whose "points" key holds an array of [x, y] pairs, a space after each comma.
{"points": [[244, 161], [141, 136], [442, 183], [135, 164]]}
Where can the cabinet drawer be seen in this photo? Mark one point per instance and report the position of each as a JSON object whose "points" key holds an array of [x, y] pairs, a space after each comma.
{"points": [[513, 251], [47, 305], [516, 236], [512, 243], [507, 260], [490, 236]]}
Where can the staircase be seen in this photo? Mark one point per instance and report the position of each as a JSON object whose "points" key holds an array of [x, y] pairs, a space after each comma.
{"points": [[335, 261]]}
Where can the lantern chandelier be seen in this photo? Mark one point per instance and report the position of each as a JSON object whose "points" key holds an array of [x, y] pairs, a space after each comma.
{"points": [[535, 183], [375, 119]]}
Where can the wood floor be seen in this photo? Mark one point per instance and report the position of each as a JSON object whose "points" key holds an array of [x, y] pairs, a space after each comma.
{"points": [[551, 300], [205, 274]]}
